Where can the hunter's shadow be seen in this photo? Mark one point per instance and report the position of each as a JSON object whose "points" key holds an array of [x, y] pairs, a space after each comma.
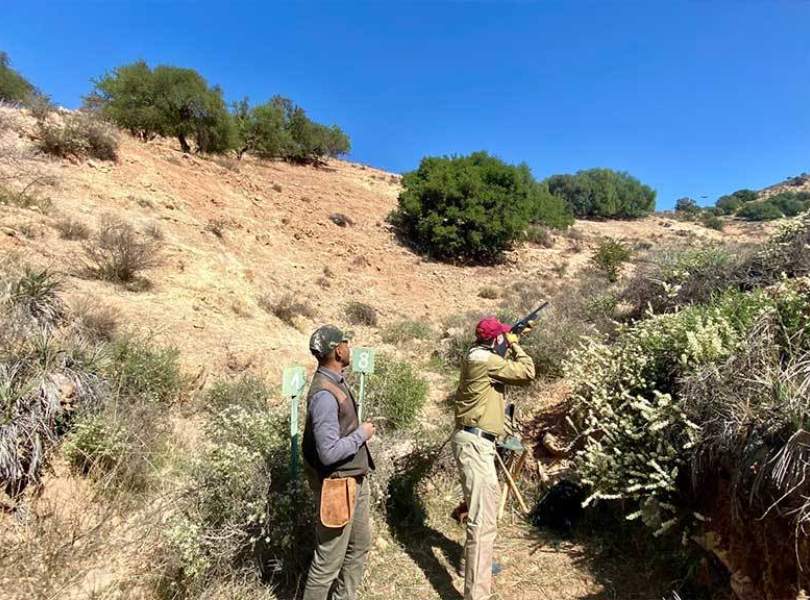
{"points": [[407, 518]]}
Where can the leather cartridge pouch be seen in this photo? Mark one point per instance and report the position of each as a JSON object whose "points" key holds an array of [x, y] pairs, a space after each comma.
{"points": [[338, 498]]}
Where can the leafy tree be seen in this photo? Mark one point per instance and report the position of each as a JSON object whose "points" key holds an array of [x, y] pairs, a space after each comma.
{"points": [[745, 196], [465, 207], [280, 129], [686, 205], [14, 87], [127, 98], [791, 203], [603, 193], [728, 204], [260, 130], [760, 211], [168, 101], [550, 210]]}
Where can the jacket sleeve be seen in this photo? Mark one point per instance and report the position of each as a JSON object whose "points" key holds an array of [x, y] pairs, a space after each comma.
{"points": [[325, 428], [516, 369]]}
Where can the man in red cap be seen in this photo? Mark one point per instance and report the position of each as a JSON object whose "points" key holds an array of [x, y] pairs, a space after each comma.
{"points": [[480, 416]]}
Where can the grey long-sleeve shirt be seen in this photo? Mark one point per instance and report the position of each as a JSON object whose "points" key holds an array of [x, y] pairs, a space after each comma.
{"points": [[323, 411]]}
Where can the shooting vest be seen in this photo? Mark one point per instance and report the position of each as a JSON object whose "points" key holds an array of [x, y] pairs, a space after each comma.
{"points": [[357, 464]]}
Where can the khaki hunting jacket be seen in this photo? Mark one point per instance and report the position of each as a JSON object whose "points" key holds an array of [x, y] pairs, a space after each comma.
{"points": [[479, 399]]}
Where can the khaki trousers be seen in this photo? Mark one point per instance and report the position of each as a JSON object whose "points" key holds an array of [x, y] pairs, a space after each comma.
{"points": [[475, 457], [341, 552]]}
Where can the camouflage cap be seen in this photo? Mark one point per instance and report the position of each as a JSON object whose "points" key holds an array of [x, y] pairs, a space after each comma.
{"points": [[324, 339]]}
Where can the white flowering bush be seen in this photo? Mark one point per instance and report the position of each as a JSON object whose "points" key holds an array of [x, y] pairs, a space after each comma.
{"points": [[242, 511], [637, 436]]}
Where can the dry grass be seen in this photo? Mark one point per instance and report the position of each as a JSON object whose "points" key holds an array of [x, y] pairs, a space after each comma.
{"points": [[359, 313], [72, 229], [118, 253], [287, 307]]}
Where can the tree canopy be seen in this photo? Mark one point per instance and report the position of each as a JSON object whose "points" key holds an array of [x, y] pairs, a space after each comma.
{"points": [[603, 193]]}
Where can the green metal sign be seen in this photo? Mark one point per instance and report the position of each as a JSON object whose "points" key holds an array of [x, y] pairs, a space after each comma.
{"points": [[363, 363], [292, 385], [363, 360], [293, 381]]}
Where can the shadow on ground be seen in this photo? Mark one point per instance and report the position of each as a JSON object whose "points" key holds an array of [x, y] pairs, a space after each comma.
{"points": [[407, 518]]}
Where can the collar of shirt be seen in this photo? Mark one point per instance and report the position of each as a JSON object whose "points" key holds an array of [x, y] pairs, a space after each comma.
{"points": [[336, 377]]}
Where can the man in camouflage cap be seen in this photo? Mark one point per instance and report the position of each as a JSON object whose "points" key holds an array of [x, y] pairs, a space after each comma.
{"points": [[334, 446]]}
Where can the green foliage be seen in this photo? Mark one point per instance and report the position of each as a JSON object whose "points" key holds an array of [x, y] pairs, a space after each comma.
{"points": [[732, 203], [14, 88], [638, 437], [610, 256], [395, 394], [745, 196], [248, 391], [118, 446], [603, 193], [142, 370], [671, 279], [728, 204], [359, 313], [537, 234], [405, 331], [550, 210], [760, 211], [791, 203], [168, 101], [467, 208], [686, 205], [711, 221], [79, 134], [244, 509]]}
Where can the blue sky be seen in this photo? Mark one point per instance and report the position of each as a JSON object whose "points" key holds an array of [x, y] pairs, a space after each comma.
{"points": [[693, 98]]}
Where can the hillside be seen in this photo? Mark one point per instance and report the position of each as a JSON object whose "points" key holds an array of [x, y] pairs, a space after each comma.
{"points": [[276, 238], [236, 237]]}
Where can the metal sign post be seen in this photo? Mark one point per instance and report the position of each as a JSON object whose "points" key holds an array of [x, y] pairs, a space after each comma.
{"points": [[362, 363], [292, 384]]}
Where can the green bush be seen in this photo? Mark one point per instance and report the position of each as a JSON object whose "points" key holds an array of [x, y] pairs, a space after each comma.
{"points": [[537, 234], [728, 205], [603, 193], [673, 278], [550, 210], [395, 394], [711, 221], [638, 437], [760, 211], [686, 205], [243, 510], [465, 208], [610, 256], [14, 88], [791, 203], [119, 446], [142, 370], [248, 391], [405, 331]]}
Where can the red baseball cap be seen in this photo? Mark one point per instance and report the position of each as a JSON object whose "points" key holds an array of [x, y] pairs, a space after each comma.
{"points": [[489, 328]]}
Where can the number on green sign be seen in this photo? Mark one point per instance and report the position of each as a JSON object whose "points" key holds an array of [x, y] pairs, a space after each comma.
{"points": [[363, 360], [293, 382]]}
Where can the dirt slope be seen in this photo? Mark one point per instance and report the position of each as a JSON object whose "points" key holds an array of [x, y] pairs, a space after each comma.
{"points": [[276, 237]]}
